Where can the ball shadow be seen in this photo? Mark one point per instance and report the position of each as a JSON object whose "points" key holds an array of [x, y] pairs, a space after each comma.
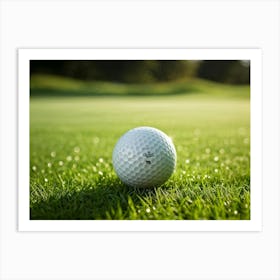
{"points": [[91, 203]]}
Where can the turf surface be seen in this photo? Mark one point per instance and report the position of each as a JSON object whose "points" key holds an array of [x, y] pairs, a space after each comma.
{"points": [[71, 143]]}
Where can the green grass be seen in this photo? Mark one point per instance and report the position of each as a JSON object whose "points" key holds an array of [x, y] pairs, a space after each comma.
{"points": [[54, 86], [72, 138]]}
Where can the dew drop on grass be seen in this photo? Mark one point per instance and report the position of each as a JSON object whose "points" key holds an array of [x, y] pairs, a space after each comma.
{"points": [[49, 165], [60, 163], [77, 149], [53, 154], [207, 151], [235, 212], [216, 158], [187, 161], [148, 210], [154, 208], [101, 160], [216, 170], [95, 140], [222, 151], [34, 168], [46, 180], [100, 173], [68, 158], [77, 158], [43, 171]]}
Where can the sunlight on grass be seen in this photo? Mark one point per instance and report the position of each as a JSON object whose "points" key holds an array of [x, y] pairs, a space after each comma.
{"points": [[72, 139]]}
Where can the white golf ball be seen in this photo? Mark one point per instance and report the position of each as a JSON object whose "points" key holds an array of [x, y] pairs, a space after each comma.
{"points": [[144, 157]]}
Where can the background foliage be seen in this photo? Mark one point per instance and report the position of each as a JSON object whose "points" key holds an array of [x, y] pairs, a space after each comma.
{"points": [[146, 71]]}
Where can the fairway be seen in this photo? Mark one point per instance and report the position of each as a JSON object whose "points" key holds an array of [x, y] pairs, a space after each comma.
{"points": [[71, 144]]}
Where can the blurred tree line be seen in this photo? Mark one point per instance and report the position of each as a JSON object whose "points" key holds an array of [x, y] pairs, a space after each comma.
{"points": [[146, 71]]}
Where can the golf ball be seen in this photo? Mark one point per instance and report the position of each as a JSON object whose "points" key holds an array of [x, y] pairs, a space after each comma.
{"points": [[144, 157]]}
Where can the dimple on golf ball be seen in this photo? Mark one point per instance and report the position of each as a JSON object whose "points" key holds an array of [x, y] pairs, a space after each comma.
{"points": [[144, 157]]}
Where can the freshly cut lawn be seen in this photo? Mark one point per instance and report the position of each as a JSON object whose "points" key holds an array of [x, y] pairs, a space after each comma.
{"points": [[71, 144]]}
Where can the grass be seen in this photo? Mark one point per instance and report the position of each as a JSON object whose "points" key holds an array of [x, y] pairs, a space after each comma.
{"points": [[54, 86], [72, 138]]}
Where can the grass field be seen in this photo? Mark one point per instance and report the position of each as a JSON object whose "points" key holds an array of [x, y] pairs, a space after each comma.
{"points": [[72, 138]]}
